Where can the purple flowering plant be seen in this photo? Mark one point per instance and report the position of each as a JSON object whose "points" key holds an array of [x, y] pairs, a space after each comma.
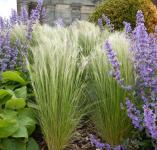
{"points": [[141, 103], [107, 22], [142, 109], [12, 52], [16, 89]]}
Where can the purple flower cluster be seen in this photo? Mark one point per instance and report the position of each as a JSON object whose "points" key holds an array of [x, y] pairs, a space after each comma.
{"points": [[150, 121], [127, 27], [134, 115], [107, 21], [97, 143], [24, 15], [11, 53], [116, 73], [144, 50]]}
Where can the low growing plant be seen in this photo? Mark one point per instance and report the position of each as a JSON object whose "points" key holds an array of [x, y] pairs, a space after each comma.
{"points": [[17, 120]]}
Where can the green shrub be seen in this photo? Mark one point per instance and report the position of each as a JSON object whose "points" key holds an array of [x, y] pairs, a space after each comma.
{"points": [[125, 10], [111, 121]]}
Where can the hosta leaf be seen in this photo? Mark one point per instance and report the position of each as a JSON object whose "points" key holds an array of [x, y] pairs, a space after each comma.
{"points": [[21, 92], [21, 133], [8, 114], [18, 103], [13, 144], [32, 145], [4, 92], [28, 112], [4, 96], [27, 122], [8, 127], [13, 76]]}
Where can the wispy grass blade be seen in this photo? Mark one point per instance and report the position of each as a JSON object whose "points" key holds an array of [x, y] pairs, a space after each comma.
{"points": [[111, 121], [58, 85]]}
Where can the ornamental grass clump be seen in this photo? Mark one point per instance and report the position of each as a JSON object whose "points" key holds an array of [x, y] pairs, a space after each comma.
{"points": [[57, 81], [108, 66], [87, 36]]}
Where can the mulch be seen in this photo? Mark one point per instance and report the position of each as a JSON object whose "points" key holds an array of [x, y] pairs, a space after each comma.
{"points": [[80, 140]]}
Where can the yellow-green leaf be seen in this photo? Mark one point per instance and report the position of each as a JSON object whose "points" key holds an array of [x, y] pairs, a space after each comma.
{"points": [[18, 103], [8, 127]]}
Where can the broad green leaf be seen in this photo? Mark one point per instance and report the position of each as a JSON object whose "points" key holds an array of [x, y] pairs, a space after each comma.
{"points": [[4, 92], [21, 133], [32, 145], [13, 76], [8, 127], [11, 86], [27, 122], [21, 92], [4, 96], [18, 103], [28, 112], [10, 92], [13, 144], [8, 114]]}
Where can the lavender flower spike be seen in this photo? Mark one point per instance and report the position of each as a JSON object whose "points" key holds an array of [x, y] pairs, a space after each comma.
{"points": [[150, 121], [134, 115], [24, 15], [114, 62], [139, 17], [97, 143], [108, 23], [127, 27]]}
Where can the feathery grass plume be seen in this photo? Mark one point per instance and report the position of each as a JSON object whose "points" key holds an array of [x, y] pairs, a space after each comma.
{"points": [[57, 81], [108, 115], [88, 35]]}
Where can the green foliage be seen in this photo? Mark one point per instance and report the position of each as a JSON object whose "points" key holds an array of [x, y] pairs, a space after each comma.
{"points": [[56, 75], [111, 121], [32, 145], [19, 144], [16, 120], [8, 127], [13, 76], [125, 10], [15, 104], [12, 144]]}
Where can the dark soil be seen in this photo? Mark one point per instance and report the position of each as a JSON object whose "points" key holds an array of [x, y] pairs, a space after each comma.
{"points": [[80, 141]]}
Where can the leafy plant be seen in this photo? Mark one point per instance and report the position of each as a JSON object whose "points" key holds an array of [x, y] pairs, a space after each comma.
{"points": [[17, 121], [106, 93]]}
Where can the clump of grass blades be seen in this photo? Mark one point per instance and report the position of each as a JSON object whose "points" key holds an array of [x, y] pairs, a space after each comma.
{"points": [[87, 35], [57, 81], [111, 121]]}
